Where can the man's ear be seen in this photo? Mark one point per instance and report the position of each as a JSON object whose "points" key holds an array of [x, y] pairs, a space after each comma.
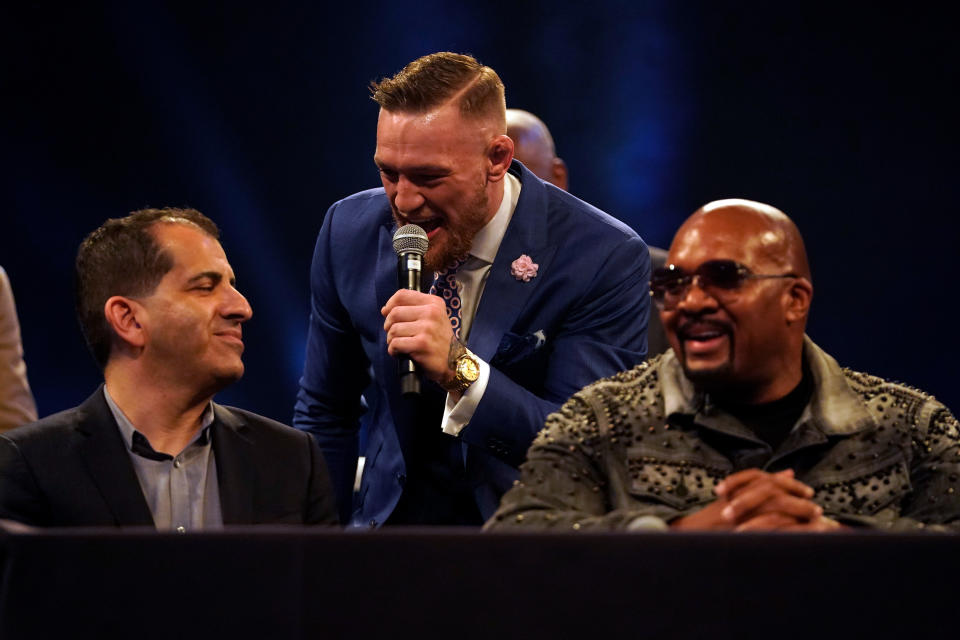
{"points": [[121, 314], [559, 173], [797, 298], [499, 155]]}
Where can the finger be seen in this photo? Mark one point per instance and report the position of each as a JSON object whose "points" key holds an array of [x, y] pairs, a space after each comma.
{"points": [[791, 485], [407, 298], [736, 480], [766, 495], [749, 499], [767, 522], [405, 314], [435, 333], [414, 346], [404, 330], [431, 313], [799, 508], [820, 525], [784, 479]]}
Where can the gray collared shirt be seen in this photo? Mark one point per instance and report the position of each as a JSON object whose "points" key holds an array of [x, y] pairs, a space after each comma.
{"points": [[182, 491]]}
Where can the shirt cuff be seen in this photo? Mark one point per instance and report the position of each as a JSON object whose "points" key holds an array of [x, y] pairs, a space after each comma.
{"points": [[457, 415]]}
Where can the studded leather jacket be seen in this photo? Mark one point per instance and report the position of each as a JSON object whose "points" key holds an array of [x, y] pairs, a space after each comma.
{"points": [[645, 443]]}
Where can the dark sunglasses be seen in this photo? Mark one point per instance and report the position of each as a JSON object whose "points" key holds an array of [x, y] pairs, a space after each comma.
{"points": [[669, 285]]}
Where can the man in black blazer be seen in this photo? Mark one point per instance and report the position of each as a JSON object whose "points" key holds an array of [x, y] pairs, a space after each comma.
{"points": [[157, 303]]}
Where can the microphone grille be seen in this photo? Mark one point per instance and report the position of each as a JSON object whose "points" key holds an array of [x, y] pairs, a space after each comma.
{"points": [[410, 238]]}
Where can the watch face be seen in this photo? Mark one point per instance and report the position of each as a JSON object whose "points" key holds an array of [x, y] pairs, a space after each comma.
{"points": [[468, 369]]}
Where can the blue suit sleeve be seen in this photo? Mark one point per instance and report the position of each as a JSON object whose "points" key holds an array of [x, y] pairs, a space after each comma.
{"points": [[335, 372], [605, 333]]}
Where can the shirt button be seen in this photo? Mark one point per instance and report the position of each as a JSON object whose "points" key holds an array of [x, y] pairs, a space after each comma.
{"points": [[181, 530], [177, 462]]}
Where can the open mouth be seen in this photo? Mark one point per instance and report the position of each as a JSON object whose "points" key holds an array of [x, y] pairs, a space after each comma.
{"points": [[430, 225], [703, 336]]}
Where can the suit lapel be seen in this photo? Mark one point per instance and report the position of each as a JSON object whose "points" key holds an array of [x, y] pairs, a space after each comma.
{"points": [[108, 463], [504, 297], [386, 286], [236, 473]]}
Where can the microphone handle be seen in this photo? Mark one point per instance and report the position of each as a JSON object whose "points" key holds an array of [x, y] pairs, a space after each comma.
{"points": [[409, 267]]}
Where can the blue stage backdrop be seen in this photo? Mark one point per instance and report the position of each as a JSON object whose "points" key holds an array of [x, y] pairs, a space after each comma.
{"points": [[258, 115]]}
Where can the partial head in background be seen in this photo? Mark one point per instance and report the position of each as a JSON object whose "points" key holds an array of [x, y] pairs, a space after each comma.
{"points": [[442, 149], [734, 299], [533, 146]]}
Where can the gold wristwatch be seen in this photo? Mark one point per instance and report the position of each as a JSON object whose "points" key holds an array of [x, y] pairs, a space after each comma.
{"points": [[466, 371]]}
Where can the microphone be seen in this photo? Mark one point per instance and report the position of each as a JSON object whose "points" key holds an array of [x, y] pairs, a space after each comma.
{"points": [[410, 243]]}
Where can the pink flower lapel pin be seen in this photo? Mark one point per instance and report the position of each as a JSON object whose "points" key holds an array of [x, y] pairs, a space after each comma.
{"points": [[523, 268]]}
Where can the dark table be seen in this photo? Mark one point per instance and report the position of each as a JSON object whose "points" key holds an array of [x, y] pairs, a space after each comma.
{"points": [[454, 584]]}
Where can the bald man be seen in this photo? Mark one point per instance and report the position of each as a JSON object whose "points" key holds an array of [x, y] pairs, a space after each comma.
{"points": [[533, 146], [745, 424]]}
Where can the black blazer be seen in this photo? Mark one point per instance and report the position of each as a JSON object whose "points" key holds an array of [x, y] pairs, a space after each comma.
{"points": [[73, 469]]}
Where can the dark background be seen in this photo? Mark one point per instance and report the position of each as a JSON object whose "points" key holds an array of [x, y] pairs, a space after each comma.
{"points": [[257, 114]]}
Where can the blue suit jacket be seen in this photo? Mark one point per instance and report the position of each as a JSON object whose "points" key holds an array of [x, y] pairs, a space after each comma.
{"points": [[583, 317]]}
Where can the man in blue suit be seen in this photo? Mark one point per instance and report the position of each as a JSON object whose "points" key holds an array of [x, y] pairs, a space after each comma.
{"points": [[538, 294], [533, 146]]}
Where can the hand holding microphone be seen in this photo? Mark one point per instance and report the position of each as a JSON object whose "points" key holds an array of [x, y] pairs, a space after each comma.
{"points": [[417, 325], [410, 243]]}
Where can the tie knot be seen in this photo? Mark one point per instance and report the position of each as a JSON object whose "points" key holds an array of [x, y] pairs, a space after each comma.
{"points": [[451, 268]]}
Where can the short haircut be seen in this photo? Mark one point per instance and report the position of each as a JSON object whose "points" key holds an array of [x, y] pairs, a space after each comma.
{"points": [[122, 258], [433, 80]]}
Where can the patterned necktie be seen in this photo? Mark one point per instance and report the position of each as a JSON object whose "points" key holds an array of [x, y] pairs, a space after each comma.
{"points": [[445, 285]]}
